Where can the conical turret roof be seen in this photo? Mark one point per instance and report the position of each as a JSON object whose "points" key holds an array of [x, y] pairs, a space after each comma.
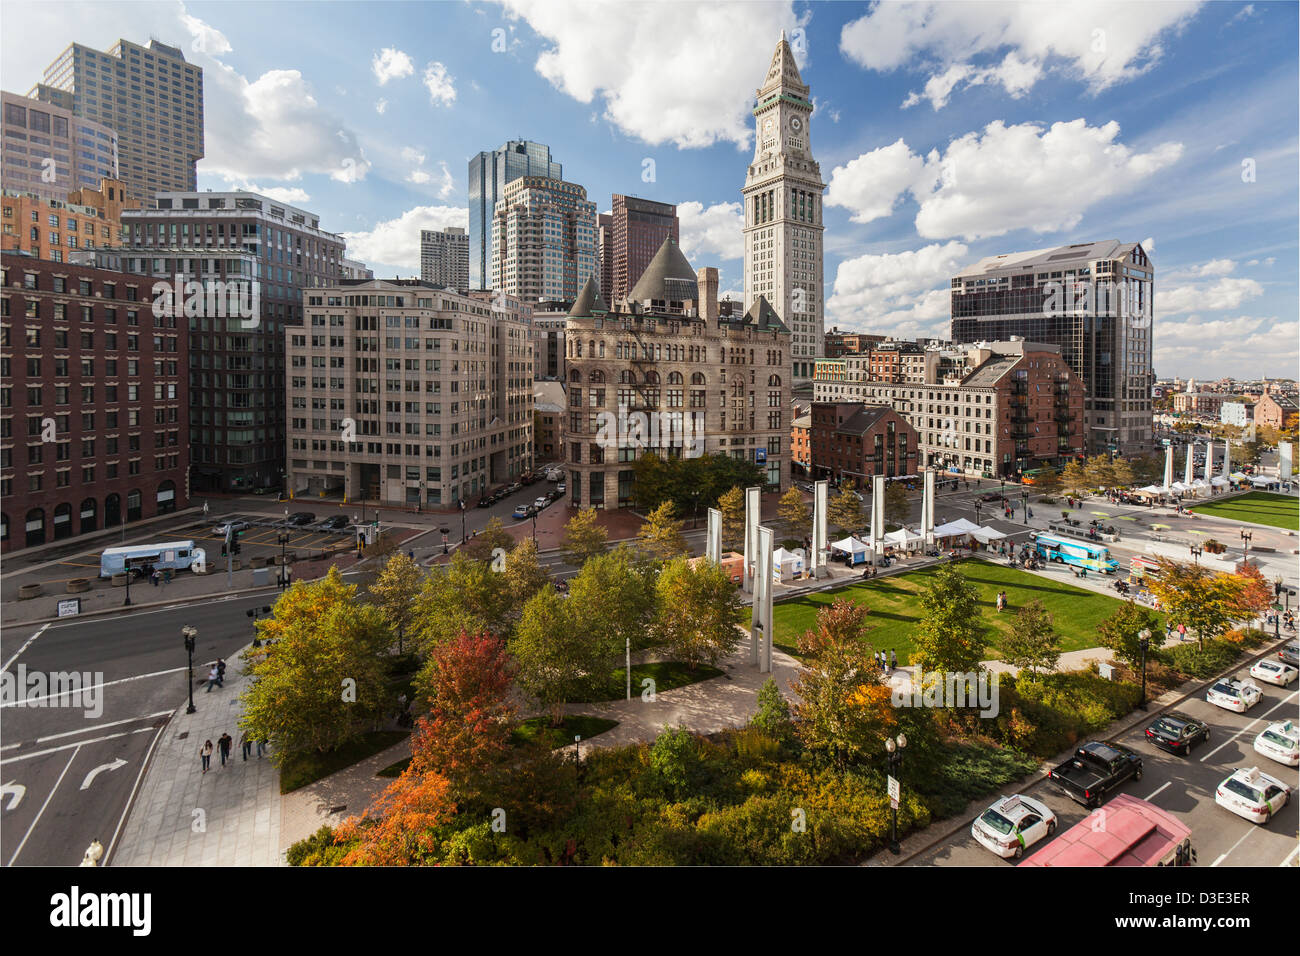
{"points": [[589, 300], [668, 263], [763, 316]]}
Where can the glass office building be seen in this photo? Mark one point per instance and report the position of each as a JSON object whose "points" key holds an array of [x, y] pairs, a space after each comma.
{"points": [[489, 172]]}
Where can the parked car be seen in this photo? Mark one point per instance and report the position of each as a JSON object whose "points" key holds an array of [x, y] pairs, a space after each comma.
{"points": [[1252, 794], [488, 500], [336, 523], [1274, 672], [1012, 825], [541, 503], [512, 488], [559, 489], [1234, 694], [1095, 770], [300, 518], [230, 527], [1178, 733], [1290, 653], [555, 494], [523, 511], [1280, 742], [531, 478]]}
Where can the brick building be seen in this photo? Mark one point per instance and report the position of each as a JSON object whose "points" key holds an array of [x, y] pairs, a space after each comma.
{"points": [[93, 402], [1276, 410], [54, 229], [857, 441], [801, 444]]}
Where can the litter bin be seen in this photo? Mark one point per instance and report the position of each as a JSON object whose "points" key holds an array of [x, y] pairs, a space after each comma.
{"points": [[261, 577]]}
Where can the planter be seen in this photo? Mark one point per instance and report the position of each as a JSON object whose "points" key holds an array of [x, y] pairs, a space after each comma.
{"points": [[78, 585], [257, 563], [119, 580], [28, 591]]}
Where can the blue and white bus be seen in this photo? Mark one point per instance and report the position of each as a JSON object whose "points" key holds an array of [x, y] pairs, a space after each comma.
{"points": [[176, 555], [1079, 554]]}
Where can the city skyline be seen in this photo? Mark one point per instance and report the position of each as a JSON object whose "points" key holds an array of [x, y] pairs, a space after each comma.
{"points": [[916, 142]]}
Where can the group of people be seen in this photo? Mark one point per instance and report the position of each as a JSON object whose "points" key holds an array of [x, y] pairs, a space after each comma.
{"points": [[217, 675], [888, 662], [1287, 620], [224, 743], [1002, 600]]}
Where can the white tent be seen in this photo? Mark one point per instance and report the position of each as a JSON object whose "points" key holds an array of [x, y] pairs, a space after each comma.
{"points": [[1262, 482], [902, 538], [953, 528], [1152, 490], [1219, 481], [986, 534], [856, 549], [786, 564], [1179, 487]]}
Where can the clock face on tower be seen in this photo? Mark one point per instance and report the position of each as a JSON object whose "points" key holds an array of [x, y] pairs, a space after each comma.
{"points": [[767, 125], [796, 124]]}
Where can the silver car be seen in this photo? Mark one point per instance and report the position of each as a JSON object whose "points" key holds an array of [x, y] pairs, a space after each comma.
{"points": [[1290, 653]]}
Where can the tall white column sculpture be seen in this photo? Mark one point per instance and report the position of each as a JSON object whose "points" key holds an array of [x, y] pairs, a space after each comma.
{"points": [[760, 629], [820, 541], [753, 514], [877, 516], [1169, 467], [1227, 458], [713, 537], [927, 509]]}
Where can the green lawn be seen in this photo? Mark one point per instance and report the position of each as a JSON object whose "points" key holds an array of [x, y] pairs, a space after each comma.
{"points": [[1260, 507], [895, 607], [301, 769], [667, 675]]}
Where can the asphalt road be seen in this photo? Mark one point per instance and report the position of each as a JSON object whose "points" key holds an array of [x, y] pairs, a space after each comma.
{"points": [[1184, 786]]}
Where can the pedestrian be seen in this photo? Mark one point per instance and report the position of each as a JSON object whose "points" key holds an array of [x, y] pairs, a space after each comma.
{"points": [[223, 747], [205, 754], [1182, 631], [205, 509], [246, 744], [1031, 512], [893, 660], [213, 677], [167, 577], [221, 672], [261, 747], [1169, 632], [155, 577]]}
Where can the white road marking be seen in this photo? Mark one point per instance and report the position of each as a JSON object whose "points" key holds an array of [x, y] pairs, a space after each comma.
{"points": [[90, 777], [1162, 786], [1224, 856], [15, 792], [1249, 726], [24, 647], [130, 800], [98, 727], [66, 768], [32, 701], [50, 750], [1290, 856]]}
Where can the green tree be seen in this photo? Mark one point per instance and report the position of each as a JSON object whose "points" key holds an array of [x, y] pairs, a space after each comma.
{"points": [[318, 675], [483, 545], [1120, 632], [897, 507], [1148, 469], [660, 536], [732, 506], [1033, 643], [395, 593], [690, 483], [611, 600], [696, 611], [1124, 474], [1074, 478], [524, 576], [845, 509], [465, 595], [557, 663], [1206, 601], [1048, 482], [793, 511], [583, 538], [950, 637], [674, 757], [773, 715], [1100, 473]]}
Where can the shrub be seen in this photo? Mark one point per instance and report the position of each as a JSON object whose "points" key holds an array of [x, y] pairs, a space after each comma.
{"points": [[1192, 660], [673, 759], [319, 849]]}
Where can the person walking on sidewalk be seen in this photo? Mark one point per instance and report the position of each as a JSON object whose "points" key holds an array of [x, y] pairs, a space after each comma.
{"points": [[223, 745], [246, 744], [893, 660], [154, 577], [213, 677], [221, 672], [261, 747], [205, 754]]}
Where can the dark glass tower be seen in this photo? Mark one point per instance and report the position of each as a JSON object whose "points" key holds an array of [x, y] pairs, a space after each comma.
{"points": [[489, 172]]}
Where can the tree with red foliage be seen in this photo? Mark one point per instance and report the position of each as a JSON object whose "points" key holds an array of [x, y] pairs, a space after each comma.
{"points": [[1256, 594]]}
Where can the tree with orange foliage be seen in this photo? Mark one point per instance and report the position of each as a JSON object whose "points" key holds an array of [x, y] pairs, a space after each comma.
{"points": [[400, 829], [1206, 601], [844, 711], [1256, 594]]}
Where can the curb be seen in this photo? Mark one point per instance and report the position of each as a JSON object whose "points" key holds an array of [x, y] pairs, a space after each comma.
{"points": [[1120, 726]]}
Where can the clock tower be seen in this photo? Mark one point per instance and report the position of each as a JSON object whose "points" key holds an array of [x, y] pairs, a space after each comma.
{"points": [[783, 212]]}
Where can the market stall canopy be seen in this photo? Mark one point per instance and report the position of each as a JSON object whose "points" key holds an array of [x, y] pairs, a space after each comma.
{"points": [[985, 535], [960, 526], [851, 545], [1219, 481], [903, 537]]}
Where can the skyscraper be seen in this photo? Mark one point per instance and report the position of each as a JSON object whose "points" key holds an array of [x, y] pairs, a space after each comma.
{"points": [[49, 152], [150, 96], [488, 174], [1094, 300], [639, 228], [783, 211], [444, 258], [605, 251], [543, 240]]}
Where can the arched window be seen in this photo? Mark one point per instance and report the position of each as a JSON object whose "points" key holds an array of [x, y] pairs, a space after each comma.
{"points": [[134, 500], [62, 521], [596, 376], [602, 348], [774, 381], [697, 378], [112, 510], [167, 497], [674, 378], [625, 377], [652, 377], [89, 509], [575, 376], [35, 526]]}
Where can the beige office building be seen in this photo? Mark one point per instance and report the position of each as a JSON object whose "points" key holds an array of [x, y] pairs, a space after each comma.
{"points": [[403, 393]]}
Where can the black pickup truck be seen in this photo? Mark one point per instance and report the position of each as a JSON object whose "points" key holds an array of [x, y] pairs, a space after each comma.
{"points": [[1095, 770]]}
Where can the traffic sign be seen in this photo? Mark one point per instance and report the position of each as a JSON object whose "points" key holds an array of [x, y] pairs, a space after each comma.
{"points": [[895, 792]]}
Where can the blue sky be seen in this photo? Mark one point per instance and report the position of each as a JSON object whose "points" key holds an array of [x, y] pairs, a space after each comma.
{"points": [[946, 132]]}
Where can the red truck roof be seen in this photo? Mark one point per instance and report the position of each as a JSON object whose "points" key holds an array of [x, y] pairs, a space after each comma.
{"points": [[1125, 832]]}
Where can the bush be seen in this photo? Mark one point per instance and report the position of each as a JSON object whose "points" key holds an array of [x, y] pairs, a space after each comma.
{"points": [[319, 849], [1192, 660], [673, 758]]}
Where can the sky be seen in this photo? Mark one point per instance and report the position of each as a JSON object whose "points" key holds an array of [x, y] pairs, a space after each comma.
{"points": [[946, 132]]}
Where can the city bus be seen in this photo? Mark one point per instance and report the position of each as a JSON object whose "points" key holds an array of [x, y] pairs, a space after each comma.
{"points": [[176, 555], [1126, 831], [1079, 554], [1033, 475]]}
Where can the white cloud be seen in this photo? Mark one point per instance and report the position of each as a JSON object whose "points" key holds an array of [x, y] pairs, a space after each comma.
{"points": [[396, 242], [682, 74], [447, 183], [711, 234], [824, 108], [381, 104], [440, 84], [1101, 42], [1149, 244], [1005, 178], [391, 64], [1217, 267], [903, 294], [1225, 293], [1247, 346], [288, 194]]}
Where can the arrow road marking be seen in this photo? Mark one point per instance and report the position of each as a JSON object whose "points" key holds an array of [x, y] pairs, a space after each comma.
{"points": [[90, 777], [16, 792]]}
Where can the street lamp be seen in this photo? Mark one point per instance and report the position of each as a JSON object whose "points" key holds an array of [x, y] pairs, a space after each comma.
{"points": [[1196, 552], [1245, 540], [577, 760], [463, 537], [127, 602], [284, 541], [444, 531], [1144, 642], [894, 753], [190, 633]]}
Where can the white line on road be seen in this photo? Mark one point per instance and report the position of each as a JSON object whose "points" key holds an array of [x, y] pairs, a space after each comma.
{"points": [[98, 727], [1224, 856], [130, 800], [33, 701], [1157, 790], [1249, 726], [84, 743], [66, 768], [1290, 856], [24, 647]]}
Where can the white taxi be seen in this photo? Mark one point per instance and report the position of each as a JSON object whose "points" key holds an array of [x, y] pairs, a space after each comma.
{"points": [[1252, 794], [1280, 742], [1012, 825], [1274, 672], [1234, 694]]}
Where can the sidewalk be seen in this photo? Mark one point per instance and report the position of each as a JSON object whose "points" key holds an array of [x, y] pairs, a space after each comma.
{"points": [[229, 816]]}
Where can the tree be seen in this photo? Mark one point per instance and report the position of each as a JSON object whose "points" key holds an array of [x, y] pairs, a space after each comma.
{"points": [[400, 829], [696, 611], [793, 510], [845, 509], [1100, 472], [524, 576], [612, 600], [1148, 469], [1256, 594], [1206, 601], [661, 536], [773, 715], [1120, 631], [319, 675], [732, 506], [690, 482], [583, 537], [1123, 472], [556, 661], [1074, 479], [483, 545], [950, 637], [465, 595], [1048, 482], [897, 507], [1033, 643], [395, 593]]}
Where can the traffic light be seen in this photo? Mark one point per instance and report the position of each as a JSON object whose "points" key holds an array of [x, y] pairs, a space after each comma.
{"points": [[235, 544], [224, 549]]}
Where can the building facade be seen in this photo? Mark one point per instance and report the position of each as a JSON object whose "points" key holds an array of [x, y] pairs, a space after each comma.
{"points": [[354, 269], [150, 95], [49, 151], [1276, 410], [1240, 414], [783, 211], [705, 383], [55, 229], [638, 228], [1095, 301], [489, 172], [605, 252], [271, 253], [548, 422], [1198, 403], [855, 441], [543, 240], [837, 343], [801, 445], [93, 402], [407, 394], [444, 258]]}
